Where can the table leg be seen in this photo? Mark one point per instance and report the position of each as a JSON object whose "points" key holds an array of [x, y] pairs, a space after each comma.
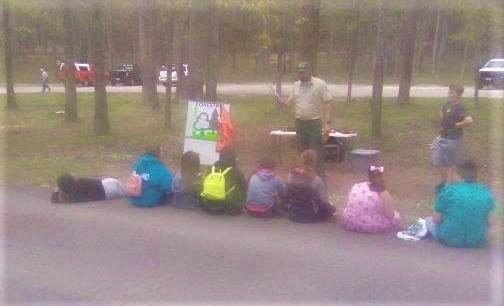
{"points": [[279, 148]]}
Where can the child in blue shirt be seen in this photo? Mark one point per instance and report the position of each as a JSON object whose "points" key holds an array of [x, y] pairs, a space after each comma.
{"points": [[156, 179], [461, 210]]}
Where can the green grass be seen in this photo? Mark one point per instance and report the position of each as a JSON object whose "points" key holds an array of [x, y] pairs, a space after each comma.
{"points": [[35, 133], [40, 145]]}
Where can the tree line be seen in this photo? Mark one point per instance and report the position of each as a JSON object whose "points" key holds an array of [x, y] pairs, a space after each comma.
{"points": [[380, 38]]}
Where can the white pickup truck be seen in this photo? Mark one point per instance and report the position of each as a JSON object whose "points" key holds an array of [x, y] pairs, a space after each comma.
{"points": [[163, 74]]}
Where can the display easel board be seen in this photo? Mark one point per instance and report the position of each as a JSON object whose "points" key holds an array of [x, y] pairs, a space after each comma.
{"points": [[202, 129]]}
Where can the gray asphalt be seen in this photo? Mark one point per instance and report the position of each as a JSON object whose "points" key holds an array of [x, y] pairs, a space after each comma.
{"points": [[337, 90], [112, 253]]}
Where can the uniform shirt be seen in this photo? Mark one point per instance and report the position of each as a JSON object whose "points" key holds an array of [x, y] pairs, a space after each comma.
{"points": [[309, 98], [452, 113]]}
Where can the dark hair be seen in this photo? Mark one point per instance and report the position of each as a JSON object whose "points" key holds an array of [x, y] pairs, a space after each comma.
{"points": [[153, 150], [459, 89], [227, 158], [267, 162], [190, 162], [468, 171], [66, 183], [376, 181]]}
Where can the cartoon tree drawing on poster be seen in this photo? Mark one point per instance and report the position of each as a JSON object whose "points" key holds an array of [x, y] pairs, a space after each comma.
{"points": [[206, 127]]}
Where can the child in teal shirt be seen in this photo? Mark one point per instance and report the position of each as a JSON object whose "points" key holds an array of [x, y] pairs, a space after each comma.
{"points": [[461, 210]]}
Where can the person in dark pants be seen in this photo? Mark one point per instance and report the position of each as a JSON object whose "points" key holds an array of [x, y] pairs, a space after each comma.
{"points": [[313, 108], [44, 79], [72, 189]]}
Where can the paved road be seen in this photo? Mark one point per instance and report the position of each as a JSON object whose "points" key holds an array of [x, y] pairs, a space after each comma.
{"points": [[422, 91], [110, 252]]}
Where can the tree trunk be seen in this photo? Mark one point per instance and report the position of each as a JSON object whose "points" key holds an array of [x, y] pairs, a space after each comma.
{"points": [[436, 40], [9, 77], [147, 58], [280, 71], [212, 51], [70, 90], [407, 52], [376, 102], [290, 61], [464, 58], [110, 46], [182, 82], [101, 119], [477, 59], [419, 46], [353, 49], [330, 43], [310, 29], [197, 44], [233, 59], [170, 59], [443, 41], [54, 57]]}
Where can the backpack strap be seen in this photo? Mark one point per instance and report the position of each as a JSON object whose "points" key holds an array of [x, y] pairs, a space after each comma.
{"points": [[227, 170], [224, 173], [229, 191]]}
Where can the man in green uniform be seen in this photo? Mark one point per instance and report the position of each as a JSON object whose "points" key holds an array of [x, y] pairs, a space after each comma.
{"points": [[313, 108]]}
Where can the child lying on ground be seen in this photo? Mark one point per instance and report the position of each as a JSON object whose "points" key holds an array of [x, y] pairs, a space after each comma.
{"points": [[72, 189]]}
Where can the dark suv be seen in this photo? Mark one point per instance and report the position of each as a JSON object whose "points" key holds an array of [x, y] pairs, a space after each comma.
{"points": [[492, 74], [127, 74]]}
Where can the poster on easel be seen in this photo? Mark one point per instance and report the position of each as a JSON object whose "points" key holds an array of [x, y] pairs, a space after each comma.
{"points": [[202, 129]]}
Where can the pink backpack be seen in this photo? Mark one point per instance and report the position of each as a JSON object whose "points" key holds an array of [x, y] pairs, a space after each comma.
{"points": [[134, 185]]}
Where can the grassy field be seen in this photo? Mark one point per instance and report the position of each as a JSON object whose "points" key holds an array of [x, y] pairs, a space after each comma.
{"points": [[40, 145]]}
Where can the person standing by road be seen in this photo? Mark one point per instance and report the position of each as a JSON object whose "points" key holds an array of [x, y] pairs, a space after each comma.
{"points": [[447, 151], [312, 104], [44, 78]]}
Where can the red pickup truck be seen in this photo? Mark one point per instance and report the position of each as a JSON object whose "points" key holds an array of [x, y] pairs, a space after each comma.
{"points": [[84, 73]]}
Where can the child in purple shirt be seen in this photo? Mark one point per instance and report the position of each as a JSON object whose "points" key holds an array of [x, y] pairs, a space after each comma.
{"points": [[265, 189]]}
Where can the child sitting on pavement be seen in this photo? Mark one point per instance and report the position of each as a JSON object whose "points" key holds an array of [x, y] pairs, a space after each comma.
{"points": [[156, 179], [369, 208], [265, 190], [186, 185], [306, 195], [235, 186], [461, 210]]}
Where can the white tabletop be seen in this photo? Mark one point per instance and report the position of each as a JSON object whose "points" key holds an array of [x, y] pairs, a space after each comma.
{"points": [[283, 133], [293, 133], [342, 135]]}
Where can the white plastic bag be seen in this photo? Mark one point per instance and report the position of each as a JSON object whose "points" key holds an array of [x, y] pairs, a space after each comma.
{"points": [[415, 232]]}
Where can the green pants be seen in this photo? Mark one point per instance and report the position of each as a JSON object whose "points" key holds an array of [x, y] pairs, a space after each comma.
{"points": [[309, 136]]}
